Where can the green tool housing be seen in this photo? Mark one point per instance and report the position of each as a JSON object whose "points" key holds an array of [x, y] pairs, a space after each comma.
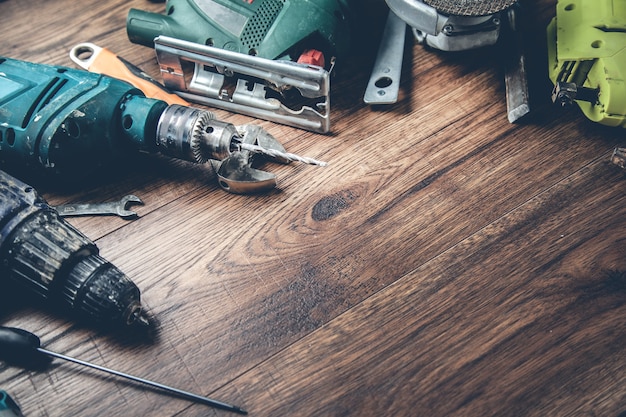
{"points": [[272, 29]]}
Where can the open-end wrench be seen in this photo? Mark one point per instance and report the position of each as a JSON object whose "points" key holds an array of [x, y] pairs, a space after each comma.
{"points": [[114, 208]]}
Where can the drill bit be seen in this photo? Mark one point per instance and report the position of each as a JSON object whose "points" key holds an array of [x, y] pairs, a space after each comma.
{"points": [[273, 153]]}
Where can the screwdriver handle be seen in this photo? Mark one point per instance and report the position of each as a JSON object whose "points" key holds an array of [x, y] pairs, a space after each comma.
{"points": [[96, 59], [20, 347], [17, 341]]}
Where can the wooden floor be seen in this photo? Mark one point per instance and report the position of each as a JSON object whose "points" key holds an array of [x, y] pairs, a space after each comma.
{"points": [[445, 262]]}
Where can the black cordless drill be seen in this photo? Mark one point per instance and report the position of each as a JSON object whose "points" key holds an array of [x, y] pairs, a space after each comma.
{"points": [[43, 253]]}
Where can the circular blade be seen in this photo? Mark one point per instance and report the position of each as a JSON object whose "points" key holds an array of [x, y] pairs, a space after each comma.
{"points": [[470, 7]]}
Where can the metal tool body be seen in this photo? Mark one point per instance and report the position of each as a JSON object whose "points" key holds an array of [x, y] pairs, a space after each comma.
{"points": [[68, 122], [587, 58], [246, 84], [515, 67], [452, 26], [20, 347], [113, 208], [384, 84], [235, 44], [45, 255]]}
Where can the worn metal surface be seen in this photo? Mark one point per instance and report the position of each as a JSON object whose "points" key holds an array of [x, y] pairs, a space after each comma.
{"points": [[470, 7]]}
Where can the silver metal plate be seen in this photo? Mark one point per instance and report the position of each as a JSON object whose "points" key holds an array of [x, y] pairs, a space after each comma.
{"points": [[245, 84], [384, 83]]}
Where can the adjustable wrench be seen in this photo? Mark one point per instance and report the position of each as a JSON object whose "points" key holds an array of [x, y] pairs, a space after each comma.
{"points": [[116, 208]]}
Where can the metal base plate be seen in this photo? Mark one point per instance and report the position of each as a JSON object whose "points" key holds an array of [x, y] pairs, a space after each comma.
{"points": [[241, 83]]}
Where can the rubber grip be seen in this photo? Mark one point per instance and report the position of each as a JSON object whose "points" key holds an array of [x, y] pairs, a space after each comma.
{"points": [[20, 347]]}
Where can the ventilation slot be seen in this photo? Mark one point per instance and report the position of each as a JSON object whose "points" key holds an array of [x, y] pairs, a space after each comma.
{"points": [[258, 25]]}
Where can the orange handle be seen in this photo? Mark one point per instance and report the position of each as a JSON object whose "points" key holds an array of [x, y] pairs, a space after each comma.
{"points": [[102, 61]]}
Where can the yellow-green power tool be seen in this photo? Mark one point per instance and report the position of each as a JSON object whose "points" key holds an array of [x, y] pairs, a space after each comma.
{"points": [[587, 58]]}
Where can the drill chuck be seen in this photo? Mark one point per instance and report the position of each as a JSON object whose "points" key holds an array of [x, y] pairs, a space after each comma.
{"points": [[43, 253], [194, 135]]}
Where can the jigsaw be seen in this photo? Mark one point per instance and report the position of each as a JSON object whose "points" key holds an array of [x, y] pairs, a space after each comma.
{"points": [[269, 59]]}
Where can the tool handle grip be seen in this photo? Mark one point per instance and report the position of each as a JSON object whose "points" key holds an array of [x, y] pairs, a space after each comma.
{"points": [[12, 338], [19, 346], [103, 61]]}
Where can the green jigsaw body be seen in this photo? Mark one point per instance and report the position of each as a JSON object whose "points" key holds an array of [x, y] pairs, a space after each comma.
{"points": [[272, 29]]}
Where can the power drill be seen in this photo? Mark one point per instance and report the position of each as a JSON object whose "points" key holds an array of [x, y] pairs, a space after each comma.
{"points": [[41, 252], [68, 122]]}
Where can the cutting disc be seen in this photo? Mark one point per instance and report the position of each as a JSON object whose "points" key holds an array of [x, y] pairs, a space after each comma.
{"points": [[470, 7]]}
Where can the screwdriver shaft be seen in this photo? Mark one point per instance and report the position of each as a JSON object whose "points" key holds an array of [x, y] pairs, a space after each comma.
{"points": [[181, 393], [278, 154]]}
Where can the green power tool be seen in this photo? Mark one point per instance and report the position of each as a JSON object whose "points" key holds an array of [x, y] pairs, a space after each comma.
{"points": [[269, 59], [272, 29], [587, 58], [68, 122]]}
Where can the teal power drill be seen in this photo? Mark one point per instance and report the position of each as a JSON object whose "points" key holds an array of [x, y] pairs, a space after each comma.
{"points": [[68, 122]]}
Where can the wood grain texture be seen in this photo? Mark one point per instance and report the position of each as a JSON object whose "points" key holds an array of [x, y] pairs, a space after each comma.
{"points": [[446, 262]]}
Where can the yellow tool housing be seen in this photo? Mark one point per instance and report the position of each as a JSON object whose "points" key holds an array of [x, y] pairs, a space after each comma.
{"points": [[587, 47]]}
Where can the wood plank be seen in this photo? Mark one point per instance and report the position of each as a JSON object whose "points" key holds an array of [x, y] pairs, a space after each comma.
{"points": [[427, 268], [523, 317]]}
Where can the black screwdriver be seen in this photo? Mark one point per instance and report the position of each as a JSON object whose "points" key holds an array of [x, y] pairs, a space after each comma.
{"points": [[23, 348]]}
